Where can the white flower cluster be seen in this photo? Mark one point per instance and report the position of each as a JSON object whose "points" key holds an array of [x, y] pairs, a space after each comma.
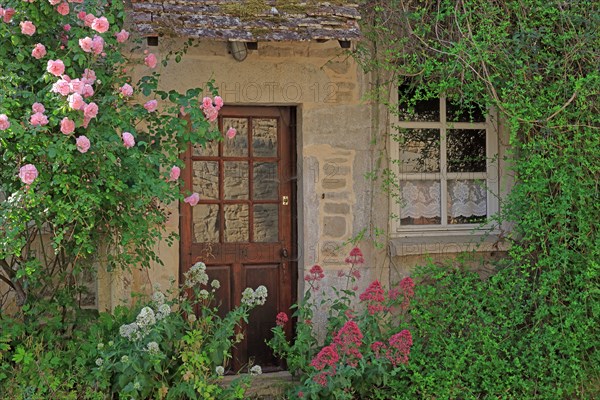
{"points": [[215, 284], [153, 348], [130, 332], [145, 318], [158, 298], [256, 370], [254, 297], [196, 275], [220, 370], [163, 312]]}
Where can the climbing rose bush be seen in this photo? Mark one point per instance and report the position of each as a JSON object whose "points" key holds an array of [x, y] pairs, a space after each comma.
{"points": [[366, 341], [90, 154]]}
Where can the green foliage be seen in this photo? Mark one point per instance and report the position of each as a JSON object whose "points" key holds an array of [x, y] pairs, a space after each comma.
{"points": [[529, 332], [365, 346]]}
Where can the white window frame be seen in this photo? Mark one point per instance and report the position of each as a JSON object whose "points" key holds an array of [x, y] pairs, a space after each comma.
{"points": [[491, 176]]}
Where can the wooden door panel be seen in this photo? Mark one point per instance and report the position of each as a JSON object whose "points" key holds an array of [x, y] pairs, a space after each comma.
{"points": [[242, 228]]}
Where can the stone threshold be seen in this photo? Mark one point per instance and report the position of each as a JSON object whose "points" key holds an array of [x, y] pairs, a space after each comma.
{"points": [[267, 386]]}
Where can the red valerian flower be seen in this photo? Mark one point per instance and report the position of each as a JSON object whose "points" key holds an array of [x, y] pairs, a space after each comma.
{"points": [[315, 274], [282, 319], [328, 356], [399, 349], [375, 296]]}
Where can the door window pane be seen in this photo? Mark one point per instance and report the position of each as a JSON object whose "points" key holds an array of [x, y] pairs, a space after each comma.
{"points": [[419, 150], [210, 149], [236, 223], [266, 222], [466, 150], [205, 223], [238, 146], [235, 183], [467, 202], [264, 137], [266, 182], [205, 179], [420, 203]]}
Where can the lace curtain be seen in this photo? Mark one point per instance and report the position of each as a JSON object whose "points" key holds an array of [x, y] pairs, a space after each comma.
{"points": [[422, 199]]}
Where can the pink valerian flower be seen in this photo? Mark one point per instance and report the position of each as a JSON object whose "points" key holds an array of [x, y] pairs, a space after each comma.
{"points": [[28, 173], [174, 173], [378, 348], [76, 101], [150, 60], [374, 295], [38, 119], [61, 86], [63, 8], [399, 348], [122, 36], [90, 110], [100, 25], [126, 90], [408, 285], [128, 140], [4, 122], [86, 44], [39, 51], [56, 68], [328, 356], [38, 108], [83, 144], [7, 15], [315, 274], [321, 378], [27, 27], [192, 199], [151, 105], [349, 335], [231, 132], [218, 102], [356, 257], [281, 319], [67, 126]]}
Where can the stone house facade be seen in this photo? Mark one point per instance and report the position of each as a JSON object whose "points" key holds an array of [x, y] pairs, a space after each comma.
{"points": [[291, 190]]}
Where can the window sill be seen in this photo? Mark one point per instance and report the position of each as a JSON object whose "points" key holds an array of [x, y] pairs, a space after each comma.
{"points": [[439, 242]]}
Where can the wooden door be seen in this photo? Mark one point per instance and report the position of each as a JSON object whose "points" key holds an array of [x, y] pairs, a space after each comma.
{"points": [[243, 226]]}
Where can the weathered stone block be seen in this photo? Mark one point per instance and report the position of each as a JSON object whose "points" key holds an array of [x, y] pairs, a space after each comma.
{"points": [[337, 208], [334, 226]]}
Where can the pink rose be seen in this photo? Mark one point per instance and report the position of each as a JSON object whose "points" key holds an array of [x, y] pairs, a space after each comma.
{"points": [[151, 105], [76, 101], [128, 140], [56, 68], [126, 90], [8, 14], [231, 132], [86, 122], [63, 9], [97, 44], [27, 27], [81, 15], [28, 173], [88, 90], [174, 174], [76, 86], [218, 102], [192, 199], [207, 103], [39, 51], [67, 27], [54, 2], [89, 19], [38, 119], [67, 126], [89, 76], [38, 108], [90, 110], [100, 25], [83, 144], [86, 44], [62, 87], [211, 114], [122, 36], [150, 60], [4, 122]]}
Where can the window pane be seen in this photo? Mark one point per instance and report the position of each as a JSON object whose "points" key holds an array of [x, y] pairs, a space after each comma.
{"points": [[266, 223], [265, 181], [236, 223], [210, 149], [238, 146], [416, 110], [467, 202], [206, 223], [235, 183], [264, 137], [466, 150], [419, 150], [205, 179], [420, 203], [464, 112]]}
